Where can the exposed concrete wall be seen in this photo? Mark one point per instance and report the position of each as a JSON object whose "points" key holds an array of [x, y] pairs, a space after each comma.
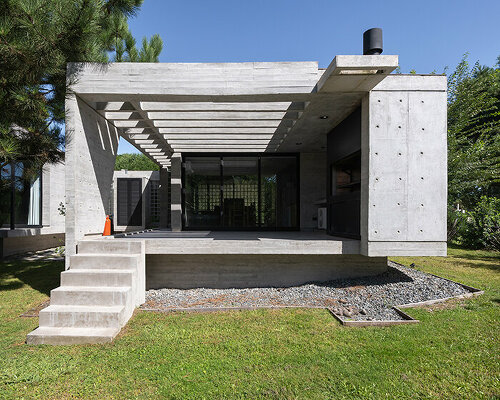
{"points": [[23, 244], [46, 195], [404, 167], [91, 144], [176, 192], [312, 187], [53, 193], [164, 199], [57, 196], [240, 271]]}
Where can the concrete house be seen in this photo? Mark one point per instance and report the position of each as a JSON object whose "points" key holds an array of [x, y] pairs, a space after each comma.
{"points": [[279, 173]]}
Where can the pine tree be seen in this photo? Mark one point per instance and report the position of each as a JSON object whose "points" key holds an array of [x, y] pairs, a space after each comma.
{"points": [[37, 39]]}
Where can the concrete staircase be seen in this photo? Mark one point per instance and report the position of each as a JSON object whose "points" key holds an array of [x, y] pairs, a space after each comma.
{"points": [[97, 296]]}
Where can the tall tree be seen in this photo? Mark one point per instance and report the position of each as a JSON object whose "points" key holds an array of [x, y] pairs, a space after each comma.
{"points": [[37, 39], [473, 133]]}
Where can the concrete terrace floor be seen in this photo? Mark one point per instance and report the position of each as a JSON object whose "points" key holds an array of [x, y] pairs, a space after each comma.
{"points": [[242, 242]]}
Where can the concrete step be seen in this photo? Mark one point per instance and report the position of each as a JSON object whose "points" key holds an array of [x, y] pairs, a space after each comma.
{"points": [[97, 277], [61, 336], [83, 316], [103, 261], [91, 296], [109, 246]]}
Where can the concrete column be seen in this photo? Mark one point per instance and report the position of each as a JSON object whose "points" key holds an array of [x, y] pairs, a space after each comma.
{"points": [[176, 192], [403, 170], [91, 144], [164, 198]]}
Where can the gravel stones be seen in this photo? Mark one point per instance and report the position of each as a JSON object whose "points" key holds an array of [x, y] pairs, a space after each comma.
{"points": [[367, 299]]}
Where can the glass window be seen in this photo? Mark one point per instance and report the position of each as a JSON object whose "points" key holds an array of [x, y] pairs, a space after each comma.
{"points": [[27, 197], [202, 204], [240, 191], [279, 192], [5, 193]]}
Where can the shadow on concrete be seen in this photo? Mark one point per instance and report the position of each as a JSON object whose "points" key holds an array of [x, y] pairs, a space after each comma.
{"points": [[102, 139], [238, 235]]}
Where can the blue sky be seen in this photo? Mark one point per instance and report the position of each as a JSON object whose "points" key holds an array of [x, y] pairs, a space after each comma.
{"points": [[427, 35]]}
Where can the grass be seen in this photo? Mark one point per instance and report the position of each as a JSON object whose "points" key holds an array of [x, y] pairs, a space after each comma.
{"points": [[277, 354]]}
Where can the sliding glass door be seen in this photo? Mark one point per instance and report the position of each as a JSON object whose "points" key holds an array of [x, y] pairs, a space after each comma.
{"points": [[279, 192], [234, 192], [202, 192], [240, 192]]}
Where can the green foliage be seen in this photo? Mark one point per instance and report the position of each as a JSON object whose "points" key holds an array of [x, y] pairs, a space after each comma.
{"points": [[480, 228], [135, 162], [37, 40], [474, 154], [473, 133]]}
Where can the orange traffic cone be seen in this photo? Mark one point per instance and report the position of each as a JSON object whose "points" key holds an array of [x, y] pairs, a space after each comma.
{"points": [[107, 227]]}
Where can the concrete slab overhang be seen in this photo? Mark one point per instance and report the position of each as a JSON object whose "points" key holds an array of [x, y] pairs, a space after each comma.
{"points": [[166, 108]]}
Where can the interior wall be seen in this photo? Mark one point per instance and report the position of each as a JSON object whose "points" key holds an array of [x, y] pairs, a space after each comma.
{"points": [[312, 188]]}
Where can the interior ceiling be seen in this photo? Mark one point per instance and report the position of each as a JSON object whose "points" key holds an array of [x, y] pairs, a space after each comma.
{"points": [[247, 123]]}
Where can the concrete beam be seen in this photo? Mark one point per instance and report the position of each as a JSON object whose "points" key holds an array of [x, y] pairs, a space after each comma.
{"points": [[356, 73], [154, 131], [205, 136], [222, 115], [220, 123], [222, 106], [196, 79], [178, 142], [167, 131]]}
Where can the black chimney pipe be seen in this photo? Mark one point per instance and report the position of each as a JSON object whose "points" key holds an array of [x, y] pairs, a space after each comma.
{"points": [[372, 42]]}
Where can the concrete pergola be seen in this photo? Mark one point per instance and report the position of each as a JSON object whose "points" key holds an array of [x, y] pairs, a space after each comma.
{"points": [[164, 109]]}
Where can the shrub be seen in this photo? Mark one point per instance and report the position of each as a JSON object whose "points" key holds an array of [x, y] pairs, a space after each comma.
{"points": [[480, 228]]}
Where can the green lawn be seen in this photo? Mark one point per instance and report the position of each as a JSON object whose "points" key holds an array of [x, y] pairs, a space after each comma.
{"points": [[452, 354]]}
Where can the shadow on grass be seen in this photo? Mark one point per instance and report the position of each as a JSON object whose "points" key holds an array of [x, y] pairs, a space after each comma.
{"points": [[462, 262], [42, 276], [478, 255]]}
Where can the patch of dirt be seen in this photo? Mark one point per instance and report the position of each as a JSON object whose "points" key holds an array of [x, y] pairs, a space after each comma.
{"points": [[447, 305], [33, 312]]}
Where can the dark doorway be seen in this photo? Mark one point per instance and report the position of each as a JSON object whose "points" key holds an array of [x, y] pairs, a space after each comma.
{"points": [[129, 201]]}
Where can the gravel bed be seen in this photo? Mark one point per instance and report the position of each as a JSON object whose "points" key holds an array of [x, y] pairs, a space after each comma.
{"points": [[368, 298]]}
